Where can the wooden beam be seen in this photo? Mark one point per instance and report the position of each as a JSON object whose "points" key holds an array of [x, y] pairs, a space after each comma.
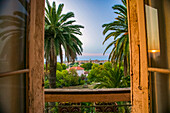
{"points": [[138, 56], [87, 95], [167, 71], [85, 91], [35, 91], [14, 72]]}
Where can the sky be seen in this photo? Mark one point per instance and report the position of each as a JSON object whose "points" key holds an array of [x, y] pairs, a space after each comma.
{"points": [[92, 14]]}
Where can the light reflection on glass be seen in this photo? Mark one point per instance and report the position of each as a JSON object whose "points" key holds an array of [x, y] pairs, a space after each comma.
{"points": [[158, 40], [13, 23], [13, 17]]}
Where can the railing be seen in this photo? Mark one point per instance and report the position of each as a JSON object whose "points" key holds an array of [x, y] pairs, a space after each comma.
{"points": [[87, 100]]}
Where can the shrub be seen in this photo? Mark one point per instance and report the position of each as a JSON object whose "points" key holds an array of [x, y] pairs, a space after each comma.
{"points": [[66, 79], [87, 66], [108, 77], [64, 66], [59, 66]]}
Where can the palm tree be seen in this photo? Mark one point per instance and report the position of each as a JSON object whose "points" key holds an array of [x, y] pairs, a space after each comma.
{"points": [[110, 78], [119, 30], [74, 48], [60, 36]]}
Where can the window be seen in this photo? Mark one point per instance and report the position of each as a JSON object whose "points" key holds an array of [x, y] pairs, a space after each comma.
{"points": [[89, 71], [13, 59], [158, 44]]}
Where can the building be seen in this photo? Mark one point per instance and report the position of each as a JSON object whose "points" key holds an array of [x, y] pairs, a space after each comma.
{"points": [[88, 61], [79, 70]]}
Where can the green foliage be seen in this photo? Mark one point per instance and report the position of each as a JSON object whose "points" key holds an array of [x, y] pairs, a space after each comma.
{"points": [[45, 66], [107, 65], [73, 72], [61, 33], [87, 66], [75, 65], [119, 31], [46, 84], [82, 82], [83, 77], [100, 63], [124, 109], [60, 37], [74, 77], [71, 64], [59, 66], [64, 66], [108, 77], [46, 81], [66, 79]]}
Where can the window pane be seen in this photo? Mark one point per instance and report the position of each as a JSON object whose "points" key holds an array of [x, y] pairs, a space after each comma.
{"points": [[12, 94], [13, 16], [158, 40], [160, 93], [13, 23], [158, 33]]}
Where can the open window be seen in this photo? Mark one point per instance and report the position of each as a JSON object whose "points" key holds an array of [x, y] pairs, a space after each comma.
{"points": [[91, 77], [23, 82]]}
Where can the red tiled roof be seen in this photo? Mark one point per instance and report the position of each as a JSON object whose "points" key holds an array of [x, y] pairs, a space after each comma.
{"points": [[77, 68]]}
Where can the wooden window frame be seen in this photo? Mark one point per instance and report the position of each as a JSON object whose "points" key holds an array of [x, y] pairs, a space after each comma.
{"points": [[14, 72], [34, 59], [87, 95], [35, 67], [138, 56]]}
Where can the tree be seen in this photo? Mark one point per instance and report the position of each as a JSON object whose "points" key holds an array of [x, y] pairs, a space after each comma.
{"points": [[59, 66], [111, 78], [66, 79], [59, 35], [108, 77], [64, 66], [94, 72], [119, 30], [87, 66]]}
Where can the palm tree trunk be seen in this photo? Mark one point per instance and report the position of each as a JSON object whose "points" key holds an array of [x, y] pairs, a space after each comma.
{"points": [[61, 55], [52, 77]]}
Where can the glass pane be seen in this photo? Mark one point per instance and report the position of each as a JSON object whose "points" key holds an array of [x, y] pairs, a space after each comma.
{"points": [[13, 23], [158, 32], [159, 92], [13, 16], [12, 94]]}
